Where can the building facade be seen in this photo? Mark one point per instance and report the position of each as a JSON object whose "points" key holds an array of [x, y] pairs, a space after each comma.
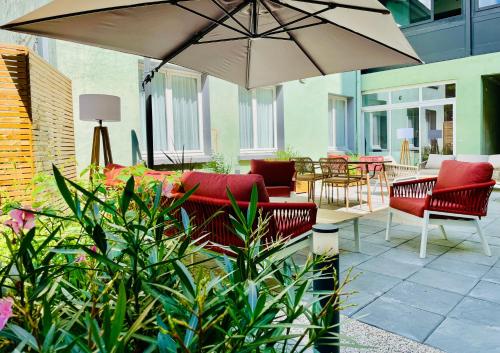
{"points": [[451, 102]]}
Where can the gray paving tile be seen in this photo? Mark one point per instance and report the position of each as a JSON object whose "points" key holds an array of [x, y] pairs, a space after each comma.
{"points": [[389, 267], [393, 316], [380, 240], [444, 280], [351, 259], [366, 248], [486, 290], [459, 267], [491, 239], [460, 336], [356, 302], [406, 256], [478, 311], [474, 256], [432, 249], [424, 297], [493, 275], [370, 282]]}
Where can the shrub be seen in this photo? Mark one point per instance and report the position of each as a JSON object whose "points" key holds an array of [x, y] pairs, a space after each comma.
{"points": [[119, 272]]}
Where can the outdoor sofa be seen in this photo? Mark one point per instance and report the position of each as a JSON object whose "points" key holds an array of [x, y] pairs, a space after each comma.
{"points": [[433, 164], [286, 220], [278, 176]]}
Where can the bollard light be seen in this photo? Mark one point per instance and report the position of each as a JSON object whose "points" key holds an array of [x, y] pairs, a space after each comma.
{"points": [[325, 242]]}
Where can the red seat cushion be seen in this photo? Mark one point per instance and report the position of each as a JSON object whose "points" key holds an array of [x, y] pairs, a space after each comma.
{"points": [[278, 191], [414, 206], [275, 173], [455, 173], [214, 185]]}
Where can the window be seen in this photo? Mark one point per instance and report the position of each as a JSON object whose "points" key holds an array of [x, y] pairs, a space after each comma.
{"points": [[487, 3], [337, 123], [257, 110], [429, 110], [379, 98], [177, 112], [407, 12], [376, 131]]}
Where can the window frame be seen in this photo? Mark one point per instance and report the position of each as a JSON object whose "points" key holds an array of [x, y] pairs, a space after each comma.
{"points": [[372, 129], [332, 116], [432, 17], [169, 73], [255, 149], [483, 8], [421, 103]]}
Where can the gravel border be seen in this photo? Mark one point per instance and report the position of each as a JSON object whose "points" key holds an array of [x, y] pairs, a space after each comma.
{"points": [[379, 341]]}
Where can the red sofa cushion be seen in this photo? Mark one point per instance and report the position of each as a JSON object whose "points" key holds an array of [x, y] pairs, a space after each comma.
{"points": [[214, 185], [455, 173], [275, 173], [278, 191], [414, 206]]}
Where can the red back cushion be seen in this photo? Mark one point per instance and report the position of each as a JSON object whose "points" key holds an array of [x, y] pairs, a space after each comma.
{"points": [[275, 173], [455, 173], [214, 185]]}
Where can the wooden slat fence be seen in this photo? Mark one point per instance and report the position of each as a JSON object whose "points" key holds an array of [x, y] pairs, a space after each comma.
{"points": [[36, 122]]}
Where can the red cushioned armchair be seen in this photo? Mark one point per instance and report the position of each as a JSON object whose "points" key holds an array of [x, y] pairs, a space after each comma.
{"points": [[459, 195], [288, 220], [278, 176]]}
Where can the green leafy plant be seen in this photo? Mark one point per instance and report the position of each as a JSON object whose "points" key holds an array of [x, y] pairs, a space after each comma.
{"points": [[286, 154], [120, 272], [218, 164]]}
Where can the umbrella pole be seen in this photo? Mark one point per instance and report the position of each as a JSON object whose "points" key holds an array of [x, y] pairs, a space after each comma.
{"points": [[149, 115]]}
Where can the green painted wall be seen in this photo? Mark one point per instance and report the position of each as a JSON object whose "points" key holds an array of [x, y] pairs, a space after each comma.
{"points": [[467, 73], [306, 111], [99, 71]]}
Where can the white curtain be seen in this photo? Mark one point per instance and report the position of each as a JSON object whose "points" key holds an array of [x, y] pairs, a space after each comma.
{"points": [[159, 113], [185, 109], [265, 118], [246, 118]]}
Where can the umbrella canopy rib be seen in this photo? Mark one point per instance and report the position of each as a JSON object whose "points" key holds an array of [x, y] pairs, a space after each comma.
{"points": [[194, 39], [345, 28], [218, 22], [280, 27], [345, 6], [292, 37], [231, 16]]}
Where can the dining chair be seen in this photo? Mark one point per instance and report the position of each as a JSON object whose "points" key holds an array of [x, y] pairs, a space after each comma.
{"points": [[375, 170], [337, 174], [305, 171]]}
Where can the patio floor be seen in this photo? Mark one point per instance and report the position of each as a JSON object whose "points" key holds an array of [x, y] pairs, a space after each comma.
{"points": [[450, 300]]}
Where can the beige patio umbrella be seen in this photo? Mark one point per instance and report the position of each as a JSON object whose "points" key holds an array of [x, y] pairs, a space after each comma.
{"points": [[249, 42]]}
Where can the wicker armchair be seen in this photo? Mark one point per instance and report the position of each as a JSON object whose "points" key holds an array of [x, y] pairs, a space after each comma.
{"points": [[459, 195], [305, 171]]}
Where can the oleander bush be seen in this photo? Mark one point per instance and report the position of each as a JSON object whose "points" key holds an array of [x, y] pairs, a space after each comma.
{"points": [[117, 271]]}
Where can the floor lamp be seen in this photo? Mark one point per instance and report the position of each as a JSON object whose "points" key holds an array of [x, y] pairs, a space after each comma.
{"points": [[100, 107], [405, 134], [434, 135]]}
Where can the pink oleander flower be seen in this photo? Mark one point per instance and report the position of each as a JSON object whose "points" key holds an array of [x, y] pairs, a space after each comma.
{"points": [[167, 189], [94, 248], [81, 258], [20, 219], [5, 311]]}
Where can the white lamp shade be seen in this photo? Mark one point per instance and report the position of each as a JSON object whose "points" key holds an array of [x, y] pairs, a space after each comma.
{"points": [[94, 107], [435, 134], [405, 133]]}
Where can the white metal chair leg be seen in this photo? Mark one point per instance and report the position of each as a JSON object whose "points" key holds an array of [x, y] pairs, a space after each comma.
{"points": [[484, 241], [443, 232], [423, 240], [388, 226]]}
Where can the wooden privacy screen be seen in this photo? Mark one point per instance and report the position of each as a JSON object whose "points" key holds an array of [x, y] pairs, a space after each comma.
{"points": [[36, 122]]}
